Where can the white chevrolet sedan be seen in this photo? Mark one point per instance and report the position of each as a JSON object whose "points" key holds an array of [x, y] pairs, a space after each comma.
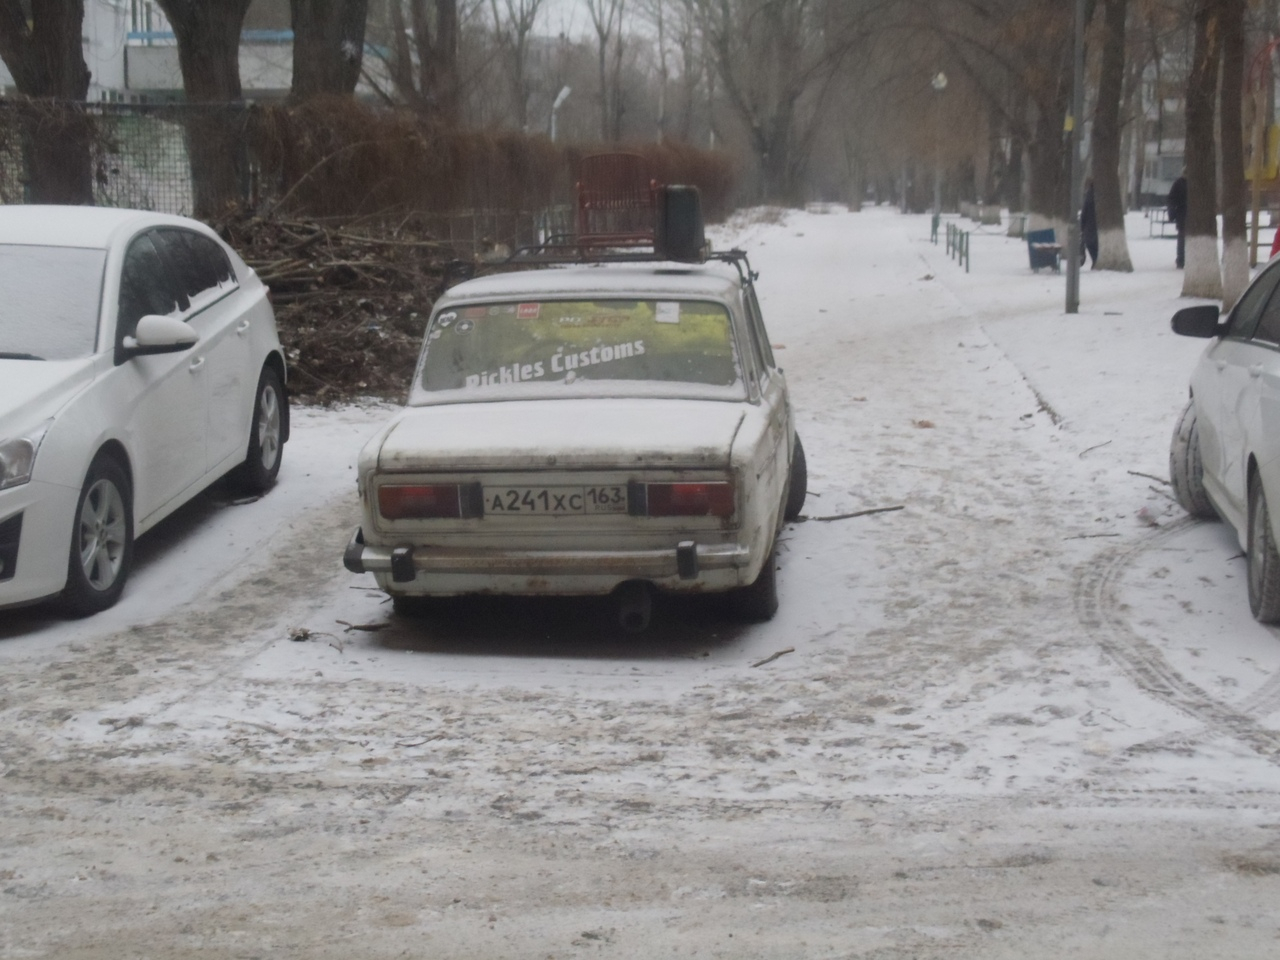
{"points": [[1225, 456], [595, 429], [139, 362]]}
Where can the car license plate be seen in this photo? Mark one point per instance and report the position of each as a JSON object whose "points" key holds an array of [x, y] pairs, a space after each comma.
{"points": [[554, 501]]}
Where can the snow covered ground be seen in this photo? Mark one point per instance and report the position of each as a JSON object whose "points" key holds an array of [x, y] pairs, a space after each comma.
{"points": [[1027, 714]]}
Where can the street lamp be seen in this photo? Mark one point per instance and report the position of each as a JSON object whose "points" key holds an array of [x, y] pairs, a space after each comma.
{"points": [[561, 97], [1072, 252], [939, 83]]}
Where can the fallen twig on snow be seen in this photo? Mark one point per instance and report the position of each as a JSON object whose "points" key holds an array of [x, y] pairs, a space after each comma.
{"points": [[1094, 447], [367, 627], [856, 513], [1090, 536], [774, 656], [1139, 473]]}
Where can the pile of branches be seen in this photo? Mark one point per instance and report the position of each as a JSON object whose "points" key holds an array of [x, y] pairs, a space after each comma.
{"points": [[351, 300]]}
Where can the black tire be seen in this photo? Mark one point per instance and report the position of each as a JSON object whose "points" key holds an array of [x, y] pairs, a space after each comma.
{"points": [[798, 486], [266, 436], [1264, 560], [1186, 469], [101, 554], [759, 602]]}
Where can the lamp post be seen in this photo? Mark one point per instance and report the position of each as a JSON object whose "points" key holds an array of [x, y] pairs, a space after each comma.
{"points": [[939, 83], [561, 97], [1072, 252]]}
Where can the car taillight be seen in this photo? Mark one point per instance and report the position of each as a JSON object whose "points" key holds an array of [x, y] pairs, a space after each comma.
{"points": [[420, 501], [690, 499]]}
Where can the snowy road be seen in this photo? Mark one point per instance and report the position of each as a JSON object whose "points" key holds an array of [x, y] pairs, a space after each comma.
{"points": [[1025, 715]]}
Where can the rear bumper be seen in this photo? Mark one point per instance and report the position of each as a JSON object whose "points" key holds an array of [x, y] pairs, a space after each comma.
{"points": [[412, 570]]}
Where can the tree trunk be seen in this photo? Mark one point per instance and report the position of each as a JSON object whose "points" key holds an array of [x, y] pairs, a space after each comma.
{"points": [[208, 33], [328, 46], [45, 55], [1202, 276], [1113, 249], [1047, 182], [448, 88], [1235, 246]]}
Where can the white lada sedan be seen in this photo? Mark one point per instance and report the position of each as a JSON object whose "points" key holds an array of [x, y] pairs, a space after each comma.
{"points": [[594, 429], [139, 362]]}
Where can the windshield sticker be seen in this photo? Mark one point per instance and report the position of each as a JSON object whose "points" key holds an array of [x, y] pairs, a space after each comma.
{"points": [[570, 342], [560, 363]]}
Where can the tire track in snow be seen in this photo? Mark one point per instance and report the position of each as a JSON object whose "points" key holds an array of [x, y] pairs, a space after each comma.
{"points": [[1098, 609]]}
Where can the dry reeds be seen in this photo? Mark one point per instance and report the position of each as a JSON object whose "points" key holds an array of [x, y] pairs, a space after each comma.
{"points": [[338, 157]]}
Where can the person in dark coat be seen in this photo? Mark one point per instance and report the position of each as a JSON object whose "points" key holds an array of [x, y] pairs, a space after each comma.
{"points": [[1089, 227], [1177, 208]]}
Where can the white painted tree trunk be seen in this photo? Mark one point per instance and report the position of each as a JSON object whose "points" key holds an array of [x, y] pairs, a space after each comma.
{"points": [[1235, 270], [1038, 221], [1113, 251], [1202, 277]]}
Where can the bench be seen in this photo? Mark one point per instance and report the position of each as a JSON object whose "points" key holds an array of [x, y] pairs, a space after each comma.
{"points": [[1159, 224], [1043, 249]]}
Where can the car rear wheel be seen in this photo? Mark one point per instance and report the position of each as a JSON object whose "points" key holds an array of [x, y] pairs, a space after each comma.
{"points": [[1186, 469], [1264, 560], [799, 484], [266, 436], [759, 602], [101, 540]]}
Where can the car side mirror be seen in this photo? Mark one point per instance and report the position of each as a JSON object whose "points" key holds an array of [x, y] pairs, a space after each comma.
{"points": [[157, 334], [1197, 322]]}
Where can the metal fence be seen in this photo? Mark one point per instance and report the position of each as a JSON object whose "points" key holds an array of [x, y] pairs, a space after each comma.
{"points": [[140, 160], [139, 156]]}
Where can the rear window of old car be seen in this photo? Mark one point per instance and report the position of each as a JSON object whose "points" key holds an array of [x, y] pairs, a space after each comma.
{"points": [[559, 344]]}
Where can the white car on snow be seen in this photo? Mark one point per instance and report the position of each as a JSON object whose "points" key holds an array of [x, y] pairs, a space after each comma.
{"points": [[1224, 460], [583, 430], [139, 362]]}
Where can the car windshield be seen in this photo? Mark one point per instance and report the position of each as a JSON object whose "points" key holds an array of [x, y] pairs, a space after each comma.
{"points": [[542, 348], [49, 310]]}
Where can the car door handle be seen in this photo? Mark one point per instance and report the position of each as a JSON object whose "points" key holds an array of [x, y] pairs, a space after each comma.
{"points": [[244, 326], [1255, 370], [196, 364]]}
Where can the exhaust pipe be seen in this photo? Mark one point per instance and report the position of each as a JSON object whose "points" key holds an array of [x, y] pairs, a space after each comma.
{"points": [[635, 603]]}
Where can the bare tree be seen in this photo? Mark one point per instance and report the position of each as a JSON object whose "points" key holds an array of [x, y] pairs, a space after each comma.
{"points": [[1113, 248], [1202, 276], [656, 12], [46, 58], [208, 33], [777, 61], [328, 46], [424, 57], [1017, 53], [513, 22], [606, 20], [693, 65]]}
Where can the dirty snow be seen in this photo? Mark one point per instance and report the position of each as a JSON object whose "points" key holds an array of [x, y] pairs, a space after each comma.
{"points": [[1028, 714]]}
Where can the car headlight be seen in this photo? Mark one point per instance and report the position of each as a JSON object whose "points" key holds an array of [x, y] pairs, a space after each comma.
{"points": [[18, 456]]}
